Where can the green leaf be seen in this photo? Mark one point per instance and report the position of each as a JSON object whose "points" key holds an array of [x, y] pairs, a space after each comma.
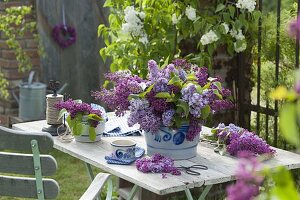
{"points": [[94, 117], [165, 63], [288, 123], [218, 85], [178, 121], [101, 28], [102, 54], [231, 11], [92, 133], [163, 95], [256, 14], [173, 80], [216, 92], [108, 3], [199, 89], [205, 112], [220, 7], [191, 77], [77, 128], [185, 106], [206, 86], [71, 122], [284, 187], [176, 81], [226, 17], [143, 94]]}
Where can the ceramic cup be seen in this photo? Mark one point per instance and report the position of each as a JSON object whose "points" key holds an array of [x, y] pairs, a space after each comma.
{"points": [[123, 149]]}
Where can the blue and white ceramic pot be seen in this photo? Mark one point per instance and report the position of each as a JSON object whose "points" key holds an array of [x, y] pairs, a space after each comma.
{"points": [[84, 137], [172, 143]]}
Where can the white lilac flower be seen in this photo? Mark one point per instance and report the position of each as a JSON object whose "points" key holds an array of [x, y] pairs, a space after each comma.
{"points": [[240, 46], [133, 24], [190, 12], [175, 19], [226, 27], [209, 38], [237, 34], [246, 4]]}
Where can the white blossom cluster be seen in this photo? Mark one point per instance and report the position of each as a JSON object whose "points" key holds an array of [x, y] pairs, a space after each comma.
{"points": [[246, 4], [209, 38], [237, 34], [190, 12], [226, 27], [240, 48], [134, 24], [175, 19], [240, 45]]}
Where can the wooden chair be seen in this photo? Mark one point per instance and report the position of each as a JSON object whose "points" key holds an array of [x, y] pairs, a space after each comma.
{"points": [[29, 161]]}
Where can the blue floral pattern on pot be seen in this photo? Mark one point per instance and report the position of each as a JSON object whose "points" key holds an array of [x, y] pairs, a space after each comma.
{"points": [[172, 143]]}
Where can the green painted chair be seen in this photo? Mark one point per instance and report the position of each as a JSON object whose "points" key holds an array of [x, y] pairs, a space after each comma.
{"points": [[29, 161]]}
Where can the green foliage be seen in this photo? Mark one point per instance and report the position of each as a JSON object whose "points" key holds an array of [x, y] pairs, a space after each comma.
{"points": [[279, 184], [13, 24], [165, 25], [288, 122], [268, 63], [3, 86]]}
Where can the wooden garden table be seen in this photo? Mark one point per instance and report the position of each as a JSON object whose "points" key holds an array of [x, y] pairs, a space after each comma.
{"points": [[220, 168]]}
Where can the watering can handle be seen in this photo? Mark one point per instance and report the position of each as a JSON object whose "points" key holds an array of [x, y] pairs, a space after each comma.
{"points": [[30, 78]]}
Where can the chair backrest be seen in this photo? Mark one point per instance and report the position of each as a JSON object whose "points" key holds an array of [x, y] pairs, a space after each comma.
{"points": [[20, 154]]}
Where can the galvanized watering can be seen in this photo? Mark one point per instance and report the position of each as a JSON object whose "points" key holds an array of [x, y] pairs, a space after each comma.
{"points": [[32, 102]]}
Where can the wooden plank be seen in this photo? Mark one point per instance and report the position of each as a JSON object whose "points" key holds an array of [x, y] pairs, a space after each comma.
{"points": [[25, 187], [70, 65], [23, 164], [14, 140]]}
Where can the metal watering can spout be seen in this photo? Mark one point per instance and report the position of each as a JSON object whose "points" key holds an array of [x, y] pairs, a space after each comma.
{"points": [[30, 77]]}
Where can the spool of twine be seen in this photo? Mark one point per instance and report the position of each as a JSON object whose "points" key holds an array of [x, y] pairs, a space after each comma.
{"points": [[52, 113]]}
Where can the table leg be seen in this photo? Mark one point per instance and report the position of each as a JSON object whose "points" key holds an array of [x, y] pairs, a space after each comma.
{"points": [[133, 191], [188, 194], [205, 192], [90, 171]]}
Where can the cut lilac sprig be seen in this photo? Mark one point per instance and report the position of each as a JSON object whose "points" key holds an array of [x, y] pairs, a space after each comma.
{"points": [[157, 164], [239, 140]]}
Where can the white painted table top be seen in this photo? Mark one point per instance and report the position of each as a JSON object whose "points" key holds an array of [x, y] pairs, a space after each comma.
{"points": [[220, 168]]}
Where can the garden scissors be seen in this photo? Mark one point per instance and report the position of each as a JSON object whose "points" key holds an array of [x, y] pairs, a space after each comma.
{"points": [[190, 169]]}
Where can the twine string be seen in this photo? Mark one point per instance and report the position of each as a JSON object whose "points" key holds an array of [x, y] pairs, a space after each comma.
{"points": [[52, 113], [65, 136]]}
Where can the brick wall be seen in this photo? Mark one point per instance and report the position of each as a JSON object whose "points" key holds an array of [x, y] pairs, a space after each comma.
{"points": [[9, 65]]}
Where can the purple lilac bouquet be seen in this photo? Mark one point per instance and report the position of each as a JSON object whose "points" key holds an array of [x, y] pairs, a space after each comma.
{"points": [[237, 139], [79, 114], [172, 95]]}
